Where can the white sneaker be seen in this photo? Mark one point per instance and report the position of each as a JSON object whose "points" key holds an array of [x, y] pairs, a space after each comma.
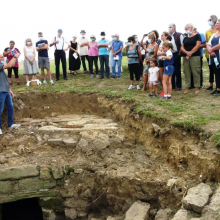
{"points": [[0, 131], [131, 87], [28, 83], [45, 82], [91, 75], [51, 82], [14, 126], [97, 75], [138, 87]]}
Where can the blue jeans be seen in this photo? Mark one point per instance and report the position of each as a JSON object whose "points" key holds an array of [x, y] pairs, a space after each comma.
{"points": [[5, 99], [119, 66], [104, 60]]}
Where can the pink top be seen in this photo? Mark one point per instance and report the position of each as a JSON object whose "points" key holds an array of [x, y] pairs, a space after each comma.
{"points": [[93, 49]]}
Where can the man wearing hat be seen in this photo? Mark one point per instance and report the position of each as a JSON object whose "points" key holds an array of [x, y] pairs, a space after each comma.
{"points": [[60, 54], [43, 58], [103, 55], [84, 47]]}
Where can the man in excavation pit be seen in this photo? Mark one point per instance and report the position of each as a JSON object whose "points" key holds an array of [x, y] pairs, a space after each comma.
{"points": [[6, 94]]}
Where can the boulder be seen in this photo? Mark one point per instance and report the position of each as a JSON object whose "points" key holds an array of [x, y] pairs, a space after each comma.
{"points": [[70, 213], [163, 214], [138, 211], [15, 173], [197, 197], [181, 215]]}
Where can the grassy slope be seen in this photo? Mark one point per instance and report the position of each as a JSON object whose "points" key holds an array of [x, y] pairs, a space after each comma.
{"points": [[198, 111]]}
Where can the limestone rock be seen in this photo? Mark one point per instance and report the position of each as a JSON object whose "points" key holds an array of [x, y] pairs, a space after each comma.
{"points": [[55, 142], [153, 212], [165, 132], [115, 218], [212, 211], [67, 193], [3, 160], [156, 129], [76, 203], [197, 197], [45, 174], [101, 142], [83, 144], [57, 172], [8, 187], [181, 215], [35, 184], [78, 171], [21, 149], [18, 172], [118, 151], [163, 214], [48, 214], [70, 143], [70, 213], [138, 211]]}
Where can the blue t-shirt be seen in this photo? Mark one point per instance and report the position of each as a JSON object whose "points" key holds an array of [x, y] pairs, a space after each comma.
{"points": [[103, 50], [116, 46], [43, 53], [203, 40], [4, 85]]}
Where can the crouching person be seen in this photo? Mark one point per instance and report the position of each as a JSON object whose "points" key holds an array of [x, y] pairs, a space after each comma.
{"points": [[6, 94]]}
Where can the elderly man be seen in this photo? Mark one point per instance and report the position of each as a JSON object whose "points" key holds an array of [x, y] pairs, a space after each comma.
{"points": [[60, 53], [84, 47], [5, 92], [43, 58], [103, 55], [117, 47], [177, 40]]}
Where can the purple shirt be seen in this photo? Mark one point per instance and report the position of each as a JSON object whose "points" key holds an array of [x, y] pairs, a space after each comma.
{"points": [[93, 49]]}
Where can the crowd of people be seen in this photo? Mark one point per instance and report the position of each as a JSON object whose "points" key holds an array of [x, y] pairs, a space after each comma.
{"points": [[158, 61]]}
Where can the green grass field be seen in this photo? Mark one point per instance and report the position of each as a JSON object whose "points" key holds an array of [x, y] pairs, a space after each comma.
{"points": [[185, 110]]}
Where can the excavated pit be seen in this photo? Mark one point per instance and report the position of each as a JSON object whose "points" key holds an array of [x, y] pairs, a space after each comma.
{"points": [[88, 155]]}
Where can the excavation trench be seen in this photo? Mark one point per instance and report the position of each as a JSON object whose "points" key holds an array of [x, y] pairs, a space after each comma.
{"points": [[89, 155]]}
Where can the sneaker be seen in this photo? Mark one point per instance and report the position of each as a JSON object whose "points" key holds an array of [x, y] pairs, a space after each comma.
{"points": [[0, 131], [45, 82], [131, 87], [10, 84], [14, 126], [51, 82], [143, 89], [210, 88], [91, 76], [155, 95], [162, 94], [97, 75], [113, 77], [138, 87], [163, 97], [18, 83], [186, 91], [216, 92], [169, 97], [197, 92], [28, 83], [150, 95]]}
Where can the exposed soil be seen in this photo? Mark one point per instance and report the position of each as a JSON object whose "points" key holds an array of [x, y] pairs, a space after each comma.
{"points": [[128, 156]]}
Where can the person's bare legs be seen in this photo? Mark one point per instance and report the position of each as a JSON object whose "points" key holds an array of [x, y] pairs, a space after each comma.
{"points": [[170, 85], [151, 88], [165, 89], [27, 78], [49, 73], [43, 74], [156, 89], [34, 76], [9, 80], [145, 82], [161, 69]]}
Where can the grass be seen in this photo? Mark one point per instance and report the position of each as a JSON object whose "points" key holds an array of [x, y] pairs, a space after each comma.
{"points": [[184, 110]]}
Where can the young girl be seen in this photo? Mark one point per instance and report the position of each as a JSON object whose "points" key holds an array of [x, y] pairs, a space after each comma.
{"points": [[153, 77], [168, 70]]}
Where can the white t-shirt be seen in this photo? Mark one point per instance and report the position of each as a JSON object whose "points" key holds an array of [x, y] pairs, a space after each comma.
{"points": [[83, 50], [153, 71], [61, 44], [169, 53]]}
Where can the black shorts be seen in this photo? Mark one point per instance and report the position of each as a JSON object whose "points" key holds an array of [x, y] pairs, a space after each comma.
{"points": [[160, 63], [15, 69]]}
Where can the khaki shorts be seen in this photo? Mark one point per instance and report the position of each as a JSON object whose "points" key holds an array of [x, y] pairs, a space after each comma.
{"points": [[43, 62]]}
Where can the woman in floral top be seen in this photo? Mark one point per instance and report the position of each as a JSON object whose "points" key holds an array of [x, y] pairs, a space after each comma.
{"points": [[9, 52]]}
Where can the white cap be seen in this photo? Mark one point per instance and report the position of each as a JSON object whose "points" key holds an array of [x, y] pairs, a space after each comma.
{"points": [[117, 35]]}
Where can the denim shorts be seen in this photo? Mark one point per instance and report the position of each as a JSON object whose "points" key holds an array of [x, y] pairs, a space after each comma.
{"points": [[168, 70], [43, 62]]}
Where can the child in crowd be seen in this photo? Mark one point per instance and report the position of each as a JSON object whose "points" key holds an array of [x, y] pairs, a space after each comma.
{"points": [[168, 70], [153, 77]]}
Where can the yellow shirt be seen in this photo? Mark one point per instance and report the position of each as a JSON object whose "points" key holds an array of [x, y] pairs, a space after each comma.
{"points": [[208, 34]]}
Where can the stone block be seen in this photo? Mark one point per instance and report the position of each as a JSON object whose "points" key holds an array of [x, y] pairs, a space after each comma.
{"points": [[45, 173], [55, 142], [57, 172], [181, 215], [76, 203], [8, 187], [15, 173], [70, 143], [138, 211], [35, 184], [70, 213], [163, 214], [197, 197]]}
